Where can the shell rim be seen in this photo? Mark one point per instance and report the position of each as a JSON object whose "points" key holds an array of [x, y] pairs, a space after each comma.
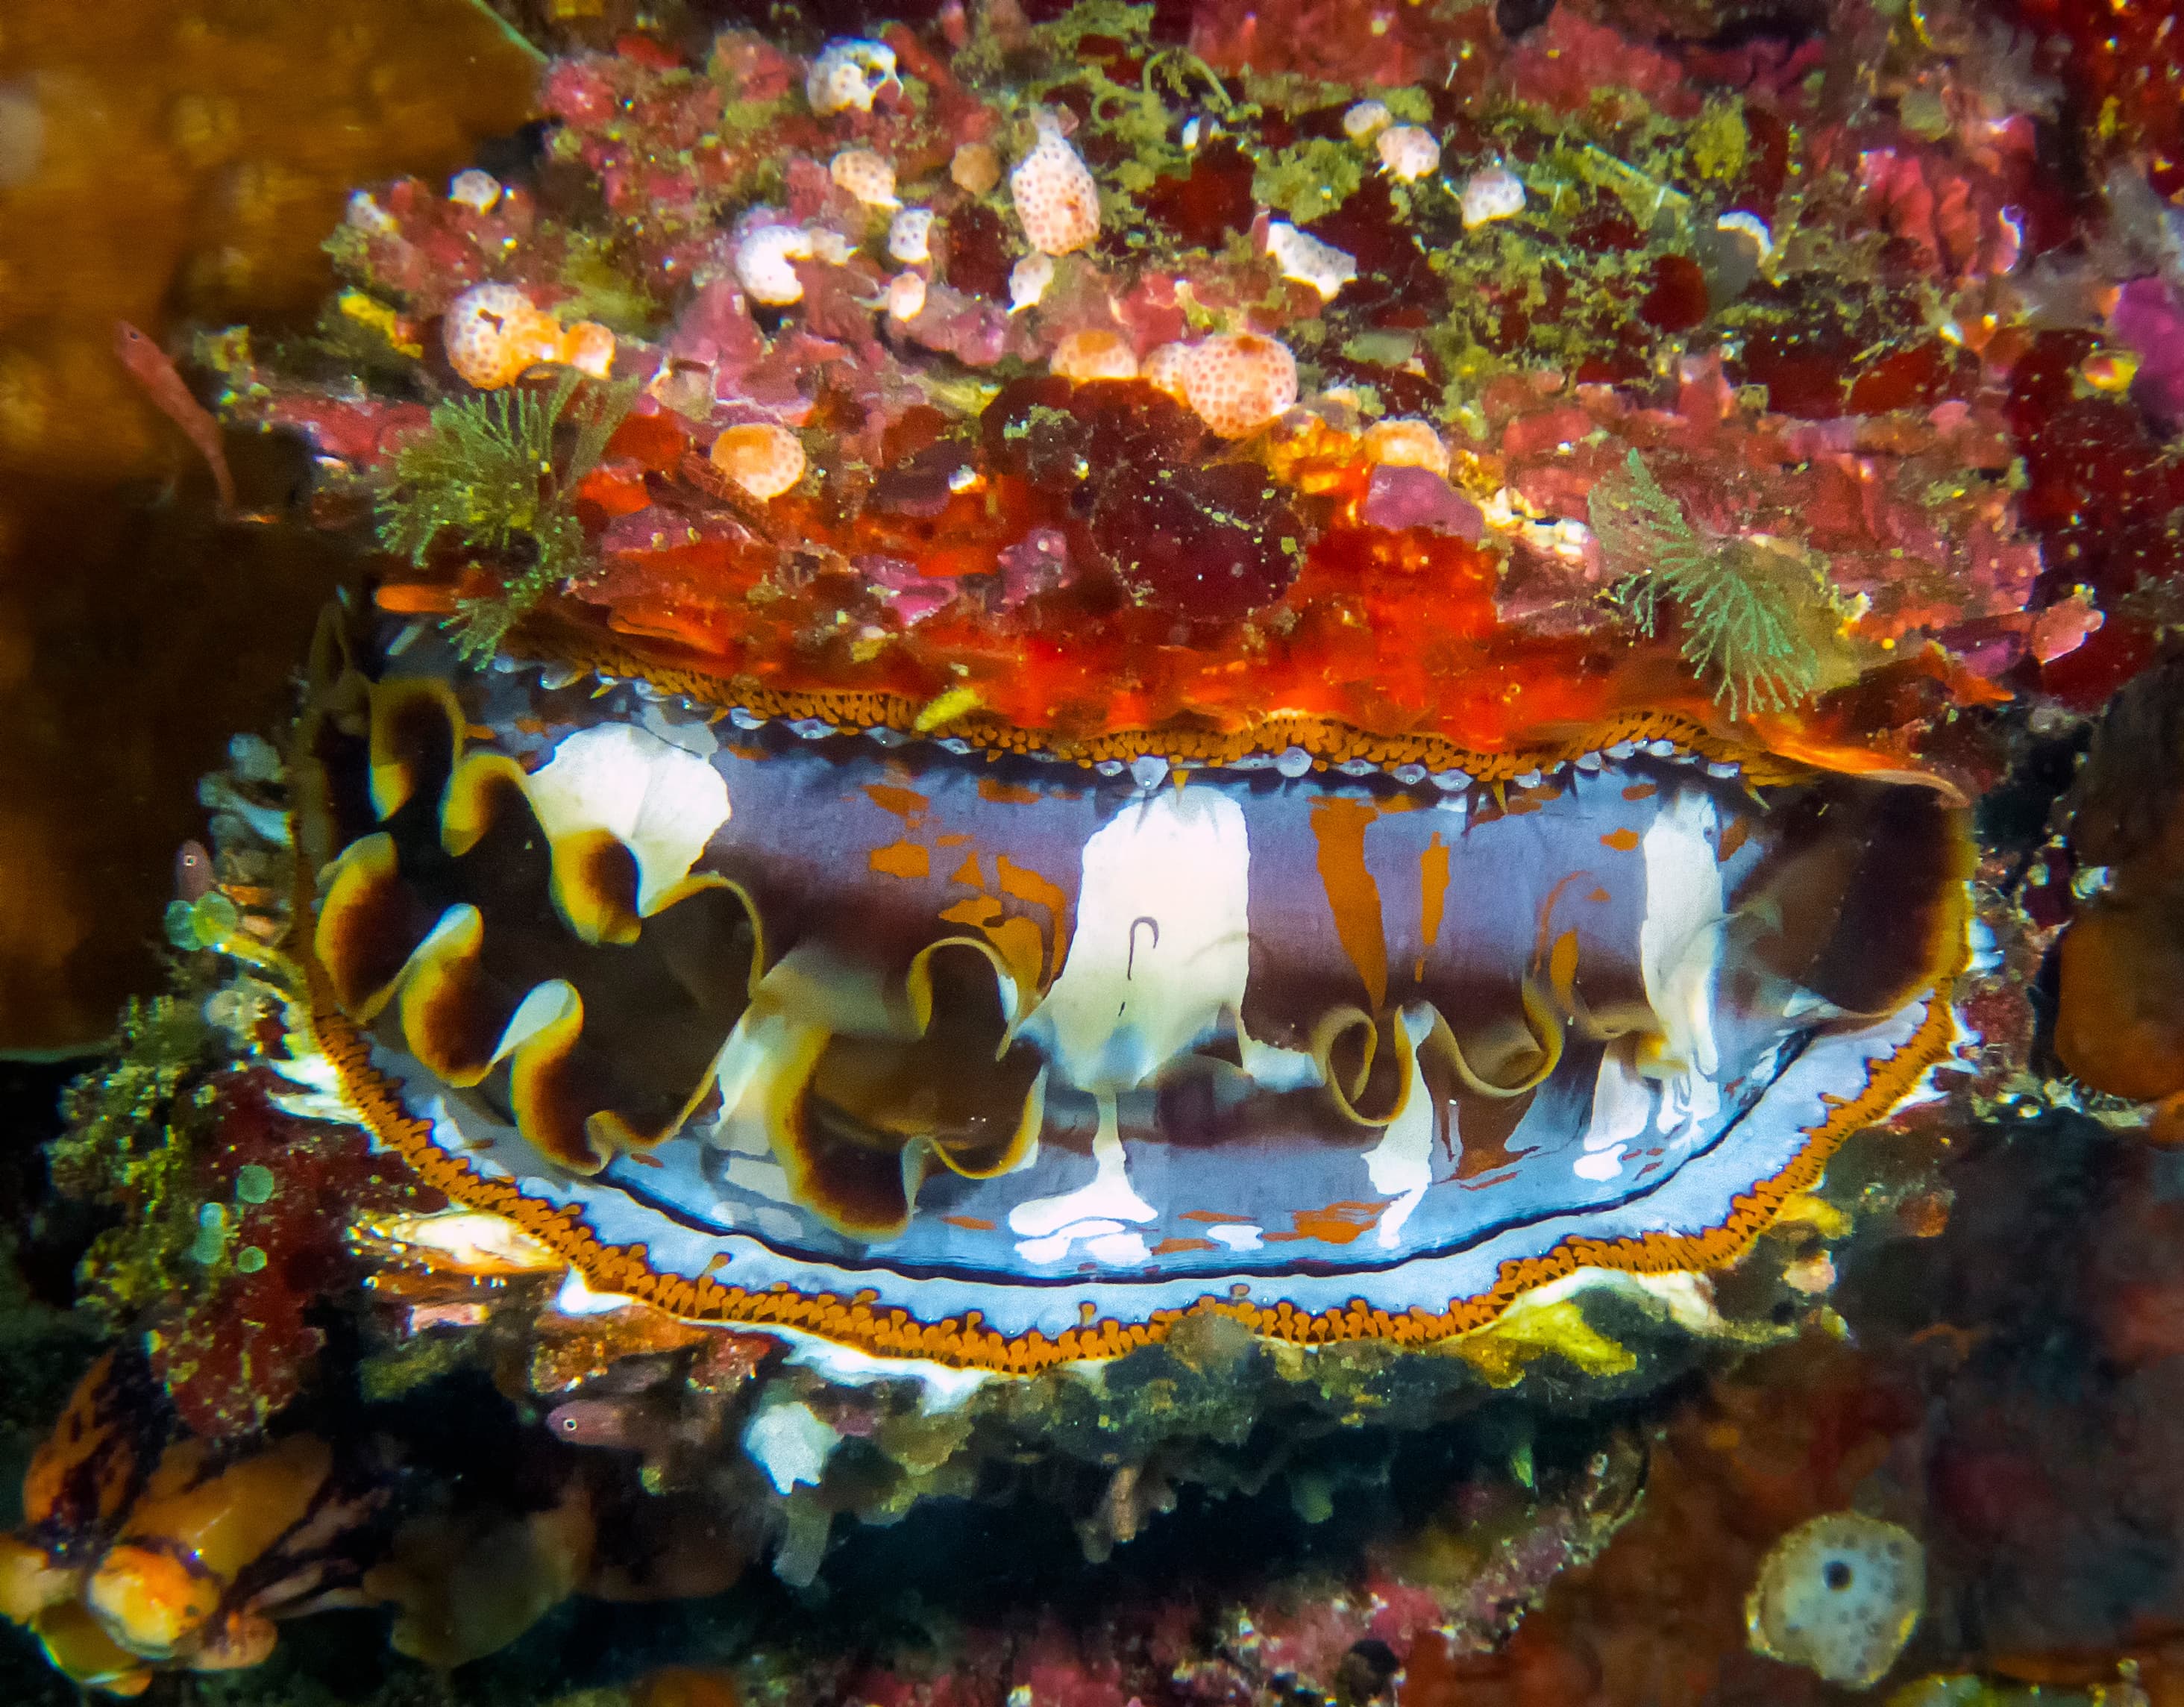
{"points": [[965, 1341]]}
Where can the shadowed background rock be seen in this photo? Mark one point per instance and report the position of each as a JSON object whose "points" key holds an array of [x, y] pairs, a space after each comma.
{"points": [[176, 165]]}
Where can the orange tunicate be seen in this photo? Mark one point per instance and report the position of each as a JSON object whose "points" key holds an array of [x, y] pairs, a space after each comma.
{"points": [[1406, 441], [495, 334], [589, 348], [1100, 354], [766, 460], [975, 168], [1239, 381], [1055, 199]]}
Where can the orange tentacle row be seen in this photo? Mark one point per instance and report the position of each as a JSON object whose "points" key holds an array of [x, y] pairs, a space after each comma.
{"points": [[952, 1038]]}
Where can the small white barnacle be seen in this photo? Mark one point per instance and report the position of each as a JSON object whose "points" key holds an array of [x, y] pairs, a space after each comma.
{"points": [[849, 72], [1304, 258], [910, 235]]}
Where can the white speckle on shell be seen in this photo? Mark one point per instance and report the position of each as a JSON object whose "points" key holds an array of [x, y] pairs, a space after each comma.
{"points": [[474, 189], [1492, 193], [1408, 151], [910, 237], [762, 257], [1304, 258], [849, 73], [1365, 119], [1029, 280]]}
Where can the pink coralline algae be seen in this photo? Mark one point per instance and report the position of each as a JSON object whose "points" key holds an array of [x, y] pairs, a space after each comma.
{"points": [[2148, 318]]}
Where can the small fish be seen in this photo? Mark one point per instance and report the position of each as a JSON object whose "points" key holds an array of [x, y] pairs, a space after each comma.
{"points": [[618, 1425], [150, 367], [193, 872]]}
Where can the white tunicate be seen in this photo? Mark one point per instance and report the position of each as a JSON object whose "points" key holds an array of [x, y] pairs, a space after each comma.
{"points": [[1750, 225], [1029, 280], [905, 296], [790, 1443], [763, 254], [1365, 119], [1304, 258], [364, 214], [474, 189], [910, 235], [1492, 193], [1406, 151]]}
